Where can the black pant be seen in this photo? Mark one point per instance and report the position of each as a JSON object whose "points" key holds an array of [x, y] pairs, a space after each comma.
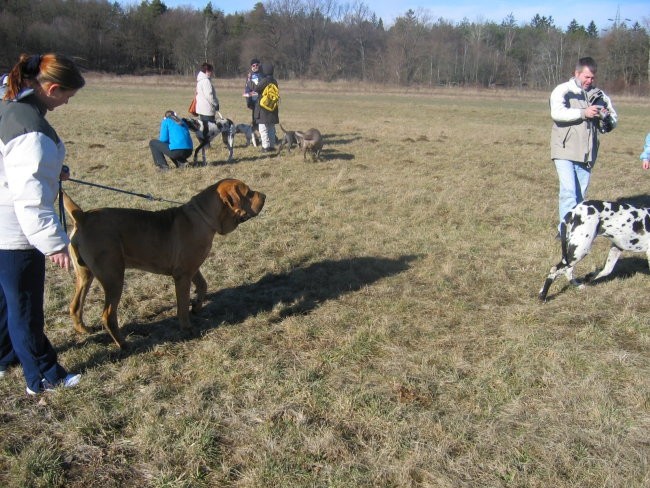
{"points": [[206, 127], [161, 149]]}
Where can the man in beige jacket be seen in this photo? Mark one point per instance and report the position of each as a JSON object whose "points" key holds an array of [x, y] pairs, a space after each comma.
{"points": [[574, 136]]}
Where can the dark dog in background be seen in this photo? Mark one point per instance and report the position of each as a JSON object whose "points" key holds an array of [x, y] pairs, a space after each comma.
{"points": [[222, 126], [310, 141], [288, 140]]}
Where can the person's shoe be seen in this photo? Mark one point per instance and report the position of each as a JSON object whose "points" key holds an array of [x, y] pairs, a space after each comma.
{"points": [[3, 372], [69, 381], [558, 237]]}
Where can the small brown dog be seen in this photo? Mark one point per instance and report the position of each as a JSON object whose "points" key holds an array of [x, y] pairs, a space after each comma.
{"points": [[310, 141], [172, 242]]}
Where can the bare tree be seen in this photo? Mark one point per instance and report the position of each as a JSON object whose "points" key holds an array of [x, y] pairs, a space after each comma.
{"points": [[323, 39], [408, 47]]}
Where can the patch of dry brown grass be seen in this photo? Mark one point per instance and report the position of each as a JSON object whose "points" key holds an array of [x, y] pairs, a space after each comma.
{"points": [[376, 325]]}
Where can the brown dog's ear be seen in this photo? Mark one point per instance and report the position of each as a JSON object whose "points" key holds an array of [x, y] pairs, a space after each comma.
{"points": [[230, 194]]}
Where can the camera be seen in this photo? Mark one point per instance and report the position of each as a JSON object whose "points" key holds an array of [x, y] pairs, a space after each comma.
{"points": [[605, 122]]}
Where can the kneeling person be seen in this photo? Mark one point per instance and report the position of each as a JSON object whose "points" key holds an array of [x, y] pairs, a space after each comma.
{"points": [[174, 142]]}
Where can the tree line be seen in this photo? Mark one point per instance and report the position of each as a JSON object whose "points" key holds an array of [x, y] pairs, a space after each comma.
{"points": [[325, 40]]}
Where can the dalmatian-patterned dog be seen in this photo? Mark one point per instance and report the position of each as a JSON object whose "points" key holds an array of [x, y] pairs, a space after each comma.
{"points": [[223, 126], [626, 226]]}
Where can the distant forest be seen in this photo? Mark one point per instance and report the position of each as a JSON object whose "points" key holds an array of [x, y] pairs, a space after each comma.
{"points": [[324, 40]]}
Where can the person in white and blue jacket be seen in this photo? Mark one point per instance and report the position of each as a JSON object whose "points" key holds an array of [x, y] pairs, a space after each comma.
{"points": [[252, 79], [645, 155], [31, 166]]}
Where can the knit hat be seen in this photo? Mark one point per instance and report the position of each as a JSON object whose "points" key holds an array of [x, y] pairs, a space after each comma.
{"points": [[255, 61], [267, 69]]}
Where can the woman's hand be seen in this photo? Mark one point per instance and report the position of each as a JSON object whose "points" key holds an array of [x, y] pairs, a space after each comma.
{"points": [[61, 259]]}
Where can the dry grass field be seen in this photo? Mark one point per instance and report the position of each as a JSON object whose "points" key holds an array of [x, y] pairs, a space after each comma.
{"points": [[376, 326]]}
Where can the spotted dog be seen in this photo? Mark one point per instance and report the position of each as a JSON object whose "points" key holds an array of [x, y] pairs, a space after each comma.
{"points": [[223, 126], [626, 226]]}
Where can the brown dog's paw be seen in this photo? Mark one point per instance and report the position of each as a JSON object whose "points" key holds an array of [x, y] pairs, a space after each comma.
{"points": [[196, 306], [82, 329]]}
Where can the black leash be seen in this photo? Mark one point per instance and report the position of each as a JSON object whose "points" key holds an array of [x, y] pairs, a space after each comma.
{"points": [[61, 209], [148, 196]]}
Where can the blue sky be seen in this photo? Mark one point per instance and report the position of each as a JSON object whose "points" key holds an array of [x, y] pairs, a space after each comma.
{"points": [[600, 11]]}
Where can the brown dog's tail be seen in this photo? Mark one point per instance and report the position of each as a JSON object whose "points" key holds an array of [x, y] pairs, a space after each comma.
{"points": [[73, 210]]}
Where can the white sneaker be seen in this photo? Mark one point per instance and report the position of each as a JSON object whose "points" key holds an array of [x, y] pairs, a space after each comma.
{"points": [[3, 373], [69, 381]]}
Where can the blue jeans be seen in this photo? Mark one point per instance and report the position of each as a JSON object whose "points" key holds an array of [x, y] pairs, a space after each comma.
{"points": [[22, 321], [574, 181]]}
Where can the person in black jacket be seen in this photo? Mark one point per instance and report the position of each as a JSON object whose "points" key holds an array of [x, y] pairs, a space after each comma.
{"points": [[264, 118]]}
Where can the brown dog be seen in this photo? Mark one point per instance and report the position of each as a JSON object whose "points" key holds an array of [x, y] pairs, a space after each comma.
{"points": [[172, 242]]}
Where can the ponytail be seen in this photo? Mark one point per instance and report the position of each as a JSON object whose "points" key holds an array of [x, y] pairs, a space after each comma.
{"points": [[48, 68]]}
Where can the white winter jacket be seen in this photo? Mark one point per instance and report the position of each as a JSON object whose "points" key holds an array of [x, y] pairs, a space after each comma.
{"points": [[31, 158], [207, 102], [573, 137]]}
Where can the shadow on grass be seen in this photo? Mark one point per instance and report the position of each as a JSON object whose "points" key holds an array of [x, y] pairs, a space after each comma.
{"points": [[295, 292], [341, 139], [625, 268], [641, 200], [326, 154]]}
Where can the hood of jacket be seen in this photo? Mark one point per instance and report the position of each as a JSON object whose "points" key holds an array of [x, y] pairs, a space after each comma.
{"points": [[267, 69], [202, 76]]}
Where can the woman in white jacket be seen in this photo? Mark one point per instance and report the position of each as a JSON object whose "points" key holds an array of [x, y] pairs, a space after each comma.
{"points": [[207, 103], [31, 165]]}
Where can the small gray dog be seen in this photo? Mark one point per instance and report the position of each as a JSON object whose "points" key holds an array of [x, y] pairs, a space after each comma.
{"points": [[248, 132], [288, 140], [310, 141]]}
